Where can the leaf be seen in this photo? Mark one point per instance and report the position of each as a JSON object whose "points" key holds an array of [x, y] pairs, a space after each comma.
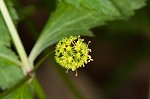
{"points": [[10, 72], [138, 25], [7, 54], [120, 5], [10, 75], [12, 11], [24, 92], [4, 35], [76, 17]]}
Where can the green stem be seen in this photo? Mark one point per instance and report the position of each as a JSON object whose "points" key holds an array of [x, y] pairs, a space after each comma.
{"points": [[15, 37], [69, 83], [42, 60], [38, 89]]}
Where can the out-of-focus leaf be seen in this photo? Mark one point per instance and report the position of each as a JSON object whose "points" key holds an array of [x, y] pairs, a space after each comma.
{"points": [[12, 11], [139, 24], [26, 12], [76, 17]]}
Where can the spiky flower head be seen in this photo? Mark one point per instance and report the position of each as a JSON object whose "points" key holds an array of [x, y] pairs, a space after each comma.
{"points": [[72, 53]]}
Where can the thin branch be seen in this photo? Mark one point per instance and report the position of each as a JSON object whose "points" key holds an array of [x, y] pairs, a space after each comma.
{"points": [[42, 60], [39, 90]]}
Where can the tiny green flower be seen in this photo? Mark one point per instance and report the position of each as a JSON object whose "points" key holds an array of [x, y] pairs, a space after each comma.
{"points": [[72, 53]]}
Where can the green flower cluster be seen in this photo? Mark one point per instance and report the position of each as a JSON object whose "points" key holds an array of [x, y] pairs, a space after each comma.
{"points": [[72, 53]]}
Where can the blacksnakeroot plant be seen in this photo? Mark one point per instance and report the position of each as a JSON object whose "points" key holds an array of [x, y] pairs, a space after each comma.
{"points": [[72, 53], [71, 18]]}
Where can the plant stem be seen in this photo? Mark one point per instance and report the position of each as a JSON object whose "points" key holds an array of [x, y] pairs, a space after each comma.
{"points": [[42, 60], [68, 82], [39, 89], [27, 67]]}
